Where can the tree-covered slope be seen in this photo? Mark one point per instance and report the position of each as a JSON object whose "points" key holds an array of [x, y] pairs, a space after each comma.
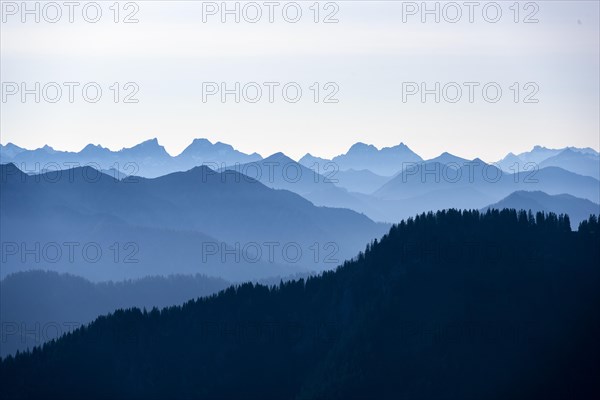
{"points": [[451, 305]]}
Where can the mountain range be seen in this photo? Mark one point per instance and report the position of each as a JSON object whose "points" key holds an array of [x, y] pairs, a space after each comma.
{"points": [[150, 159], [582, 161], [577, 209], [57, 303], [385, 184], [447, 305], [147, 159], [221, 224]]}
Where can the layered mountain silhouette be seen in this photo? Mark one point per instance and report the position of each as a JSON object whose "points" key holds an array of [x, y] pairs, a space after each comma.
{"points": [[198, 221], [577, 209], [386, 161], [215, 156], [361, 181], [385, 184], [453, 305], [361, 156], [147, 159], [449, 159], [582, 161], [318, 184], [446, 180], [432, 186], [38, 306]]}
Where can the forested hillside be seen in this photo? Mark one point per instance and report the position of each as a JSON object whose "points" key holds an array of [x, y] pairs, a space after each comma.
{"points": [[448, 305]]}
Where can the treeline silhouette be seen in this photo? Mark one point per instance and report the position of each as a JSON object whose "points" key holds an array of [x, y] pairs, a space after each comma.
{"points": [[447, 305]]}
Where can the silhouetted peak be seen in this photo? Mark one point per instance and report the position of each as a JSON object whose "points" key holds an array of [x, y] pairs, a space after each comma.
{"points": [[538, 147], [93, 148], [11, 146], [584, 150], [478, 161], [446, 157], [200, 143], [310, 159], [279, 157], [360, 147], [148, 147], [48, 149], [10, 150], [148, 143], [398, 147], [202, 170], [204, 146]]}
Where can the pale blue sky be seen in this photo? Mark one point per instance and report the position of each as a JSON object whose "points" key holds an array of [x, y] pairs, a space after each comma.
{"points": [[369, 53]]}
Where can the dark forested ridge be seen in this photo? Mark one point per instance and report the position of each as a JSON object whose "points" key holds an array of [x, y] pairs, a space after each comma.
{"points": [[448, 305]]}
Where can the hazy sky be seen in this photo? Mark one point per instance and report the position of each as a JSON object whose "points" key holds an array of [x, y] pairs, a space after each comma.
{"points": [[368, 55]]}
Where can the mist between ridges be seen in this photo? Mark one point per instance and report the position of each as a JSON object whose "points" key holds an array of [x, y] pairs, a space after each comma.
{"points": [[71, 252], [410, 253], [210, 252], [266, 171]]}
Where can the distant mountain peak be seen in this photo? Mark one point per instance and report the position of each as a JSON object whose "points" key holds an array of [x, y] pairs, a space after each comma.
{"points": [[361, 147], [198, 145], [149, 147], [201, 140], [204, 147], [93, 148], [400, 146], [478, 161], [280, 157]]}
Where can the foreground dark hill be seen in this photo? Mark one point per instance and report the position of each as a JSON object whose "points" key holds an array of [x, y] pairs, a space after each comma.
{"points": [[452, 305], [37, 306], [198, 221]]}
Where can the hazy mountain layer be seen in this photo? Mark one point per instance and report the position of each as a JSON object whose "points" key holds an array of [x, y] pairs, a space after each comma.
{"points": [[453, 305]]}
